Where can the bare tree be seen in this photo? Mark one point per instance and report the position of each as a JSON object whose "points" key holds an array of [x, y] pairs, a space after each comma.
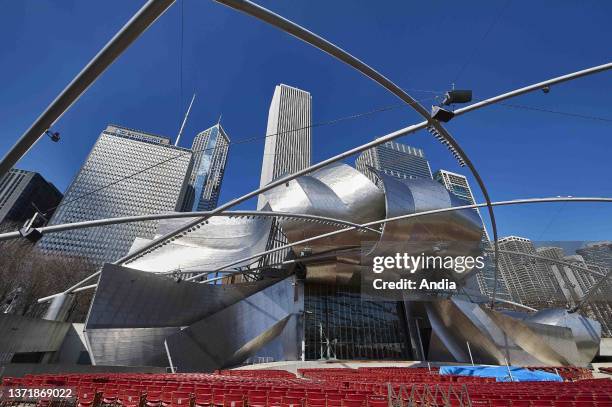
{"points": [[27, 274]]}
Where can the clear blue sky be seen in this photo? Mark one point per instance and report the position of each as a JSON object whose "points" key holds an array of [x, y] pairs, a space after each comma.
{"points": [[233, 62]]}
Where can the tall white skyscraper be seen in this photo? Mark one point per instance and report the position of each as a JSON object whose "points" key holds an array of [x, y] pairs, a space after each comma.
{"points": [[287, 147]]}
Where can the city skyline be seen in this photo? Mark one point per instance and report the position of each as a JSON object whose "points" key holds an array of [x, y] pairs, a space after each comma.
{"points": [[530, 140], [356, 246]]}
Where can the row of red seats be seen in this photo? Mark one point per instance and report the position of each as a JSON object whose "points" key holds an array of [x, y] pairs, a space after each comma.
{"points": [[136, 398], [257, 373], [319, 388], [567, 372]]}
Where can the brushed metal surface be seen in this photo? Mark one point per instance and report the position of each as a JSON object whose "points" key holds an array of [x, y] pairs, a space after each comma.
{"points": [[25, 334], [127, 298], [206, 247], [337, 191], [519, 338], [239, 331]]}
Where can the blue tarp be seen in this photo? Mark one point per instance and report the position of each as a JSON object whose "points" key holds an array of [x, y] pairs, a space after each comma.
{"points": [[500, 373]]}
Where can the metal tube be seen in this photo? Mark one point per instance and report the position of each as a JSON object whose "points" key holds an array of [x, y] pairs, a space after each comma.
{"points": [[377, 222], [307, 36], [531, 88], [500, 203], [470, 352], [180, 133], [509, 371], [111, 51], [137, 253], [174, 215], [551, 260]]}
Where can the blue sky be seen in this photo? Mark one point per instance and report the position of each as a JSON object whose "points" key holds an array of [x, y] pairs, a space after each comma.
{"points": [[233, 63]]}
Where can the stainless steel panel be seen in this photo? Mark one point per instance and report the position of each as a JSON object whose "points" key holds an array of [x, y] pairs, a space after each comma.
{"points": [[338, 191], [239, 331], [127, 298], [207, 247], [129, 346], [585, 331], [496, 337], [23, 334]]}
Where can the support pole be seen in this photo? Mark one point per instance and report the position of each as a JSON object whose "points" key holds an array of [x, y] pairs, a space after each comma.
{"points": [[180, 133], [59, 308], [111, 51], [470, 352]]}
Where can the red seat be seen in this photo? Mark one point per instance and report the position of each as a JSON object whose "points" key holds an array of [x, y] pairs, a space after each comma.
{"points": [[86, 397], [181, 399], [291, 401], [130, 398], [233, 400], [153, 398], [257, 400], [378, 401], [315, 402]]}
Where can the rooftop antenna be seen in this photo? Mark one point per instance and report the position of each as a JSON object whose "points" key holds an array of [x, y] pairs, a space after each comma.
{"points": [[219, 121], [178, 137]]}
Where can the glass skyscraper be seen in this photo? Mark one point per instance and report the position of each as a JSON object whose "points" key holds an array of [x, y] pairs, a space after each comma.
{"points": [[458, 184], [287, 147], [21, 192], [394, 159], [158, 178], [531, 282], [597, 253], [210, 149]]}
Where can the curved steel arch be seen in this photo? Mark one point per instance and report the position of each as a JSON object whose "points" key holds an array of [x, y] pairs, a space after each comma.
{"points": [[309, 37], [500, 203], [412, 215], [176, 215]]}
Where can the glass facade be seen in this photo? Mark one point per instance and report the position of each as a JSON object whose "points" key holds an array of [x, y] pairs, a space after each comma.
{"points": [[394, 159], [210, 149], [356, 328], [22, 191], [458, 184], [101, 190]]}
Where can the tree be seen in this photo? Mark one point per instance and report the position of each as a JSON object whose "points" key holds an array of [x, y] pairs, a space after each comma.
{"points": [[27, 274]]}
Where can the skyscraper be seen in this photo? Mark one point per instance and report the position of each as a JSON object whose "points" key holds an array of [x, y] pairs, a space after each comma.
{"points": [[22, 192], [287, 148], [158, 176], [459, 185], [576, 282], [597, 253], [394, 159], [210, 149], [530, 281]]}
